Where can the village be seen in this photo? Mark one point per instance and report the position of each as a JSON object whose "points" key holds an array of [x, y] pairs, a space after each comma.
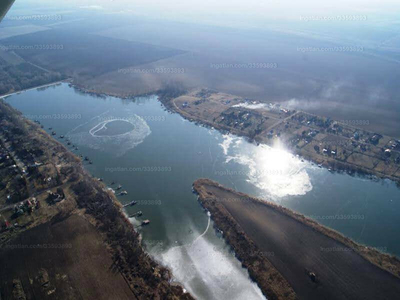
{"points": [[49, 201], [328, 143], [29, 187], [33, 185]]}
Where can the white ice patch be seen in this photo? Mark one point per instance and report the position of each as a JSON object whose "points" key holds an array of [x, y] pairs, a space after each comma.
{"points": [[228, 139], [103, 125], [135, 222], [208, 273], [118, 144]]}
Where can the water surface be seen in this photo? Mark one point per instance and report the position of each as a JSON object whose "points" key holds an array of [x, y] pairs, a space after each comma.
{"points": [[156, 156]]}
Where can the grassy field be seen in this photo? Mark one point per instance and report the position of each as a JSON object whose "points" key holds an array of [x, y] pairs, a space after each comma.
{"points": [[86, 56]]}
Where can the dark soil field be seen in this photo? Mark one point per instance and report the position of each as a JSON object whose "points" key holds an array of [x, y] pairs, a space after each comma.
{"points": [[72, 254], [86, 55], [296, 249]]}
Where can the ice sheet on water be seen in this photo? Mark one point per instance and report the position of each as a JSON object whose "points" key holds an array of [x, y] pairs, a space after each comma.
{"points": [[210, 273], [86, 134]]}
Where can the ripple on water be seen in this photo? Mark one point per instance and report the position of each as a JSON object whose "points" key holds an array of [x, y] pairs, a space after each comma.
{"points": [[115, 135]]}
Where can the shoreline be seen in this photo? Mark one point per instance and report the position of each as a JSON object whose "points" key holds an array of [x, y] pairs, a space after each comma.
{"points": [[328, 162], [87, 203], [287, 296], [67, 80], [168, 102], [214, 198]]}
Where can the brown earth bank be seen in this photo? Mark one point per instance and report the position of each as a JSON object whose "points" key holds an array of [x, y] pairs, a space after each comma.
{"points": [[62, 234], [291, 256], [71, 253]]}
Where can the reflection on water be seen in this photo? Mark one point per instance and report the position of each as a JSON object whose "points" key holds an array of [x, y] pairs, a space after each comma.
{"points": [[272, 170], [156, 161], [159, 155]]}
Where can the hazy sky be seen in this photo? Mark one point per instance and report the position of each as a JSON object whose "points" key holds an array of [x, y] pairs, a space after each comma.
{"points": [[236, 11]]}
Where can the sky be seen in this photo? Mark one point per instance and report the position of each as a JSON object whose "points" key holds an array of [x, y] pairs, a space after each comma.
{"points": [[237, 11]]}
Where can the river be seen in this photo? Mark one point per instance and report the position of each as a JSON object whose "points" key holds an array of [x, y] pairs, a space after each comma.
{"points": [[156, 156]]}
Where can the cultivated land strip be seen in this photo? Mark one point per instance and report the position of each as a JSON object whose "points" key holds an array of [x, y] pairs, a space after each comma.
{"points": [[291, 256]]}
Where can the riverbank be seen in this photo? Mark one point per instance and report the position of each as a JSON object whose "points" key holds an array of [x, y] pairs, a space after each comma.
{"points": [[273, 242], [44, 86], [335, 145], [68, 236]]}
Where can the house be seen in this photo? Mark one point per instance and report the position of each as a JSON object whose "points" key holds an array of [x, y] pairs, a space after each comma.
{"points": [[375, 139], [55, 197]]}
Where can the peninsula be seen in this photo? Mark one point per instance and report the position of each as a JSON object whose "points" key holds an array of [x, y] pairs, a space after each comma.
{"points": [[334, 144], [293, 257]]}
